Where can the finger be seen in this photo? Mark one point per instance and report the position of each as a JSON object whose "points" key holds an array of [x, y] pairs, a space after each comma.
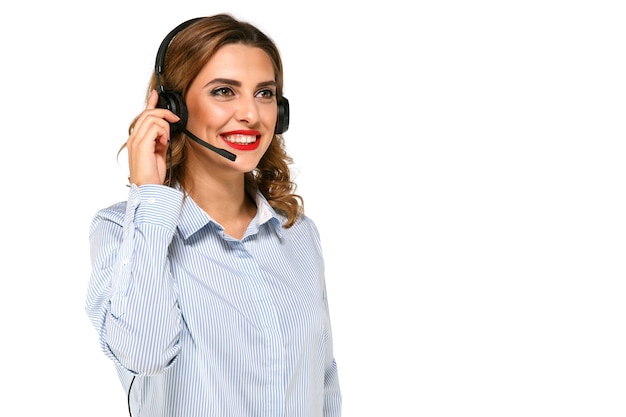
{"points": [[147, 147], [150, 128], [153, 99]]}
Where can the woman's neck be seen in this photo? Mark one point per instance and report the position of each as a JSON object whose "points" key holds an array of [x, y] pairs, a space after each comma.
{"points": [[225, 201]]}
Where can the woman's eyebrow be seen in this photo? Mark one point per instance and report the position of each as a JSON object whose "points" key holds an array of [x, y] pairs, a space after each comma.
{"points": [[271, 83], [236, 83], [224, 81]]}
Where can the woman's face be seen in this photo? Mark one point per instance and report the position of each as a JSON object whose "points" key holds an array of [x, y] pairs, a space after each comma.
{"points": [[232, 105]]}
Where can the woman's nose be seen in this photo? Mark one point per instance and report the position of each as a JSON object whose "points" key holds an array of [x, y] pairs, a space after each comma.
{"points": [[247, 110]]}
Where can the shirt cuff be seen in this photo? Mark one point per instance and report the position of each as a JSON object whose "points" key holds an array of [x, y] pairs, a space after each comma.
{"points": [[155, 204]]}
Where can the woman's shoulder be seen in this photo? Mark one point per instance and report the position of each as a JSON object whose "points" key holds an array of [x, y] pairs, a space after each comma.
{"points": [[305, 224]]}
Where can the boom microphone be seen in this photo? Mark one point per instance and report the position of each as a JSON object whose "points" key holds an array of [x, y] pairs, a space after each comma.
{"points": [[219, 151]]}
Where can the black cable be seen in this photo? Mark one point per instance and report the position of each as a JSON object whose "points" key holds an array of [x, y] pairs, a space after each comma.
{"points": [[129, 388], [169, 148]]}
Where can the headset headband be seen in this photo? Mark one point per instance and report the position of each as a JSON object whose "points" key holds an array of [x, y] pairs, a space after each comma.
{"points": [[160, 58]]}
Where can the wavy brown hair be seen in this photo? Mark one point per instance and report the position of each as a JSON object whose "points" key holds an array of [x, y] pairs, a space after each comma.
{"points": [[186, 55]]}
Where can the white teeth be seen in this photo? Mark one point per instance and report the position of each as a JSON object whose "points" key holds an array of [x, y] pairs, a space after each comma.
{"points": [[243, 139]]}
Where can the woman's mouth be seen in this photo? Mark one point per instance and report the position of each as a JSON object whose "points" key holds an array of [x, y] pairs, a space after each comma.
{"points": [[242, 140]]}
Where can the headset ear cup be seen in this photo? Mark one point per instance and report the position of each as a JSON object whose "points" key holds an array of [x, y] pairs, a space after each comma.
{"points": [[174, 102], [282, 124]]}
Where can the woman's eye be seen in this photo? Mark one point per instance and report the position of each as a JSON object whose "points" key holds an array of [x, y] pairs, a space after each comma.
{"points": [[222, 91], [266, 94]]}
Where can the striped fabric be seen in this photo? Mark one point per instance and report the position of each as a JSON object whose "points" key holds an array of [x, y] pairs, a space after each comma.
{"points": [[206, 325]]}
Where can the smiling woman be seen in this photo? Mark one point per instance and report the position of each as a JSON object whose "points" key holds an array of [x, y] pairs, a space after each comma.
{"points": [[235, 88], [207, 287]]}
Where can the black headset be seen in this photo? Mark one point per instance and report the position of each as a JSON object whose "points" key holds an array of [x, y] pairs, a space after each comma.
{"points": [[173, 100]]}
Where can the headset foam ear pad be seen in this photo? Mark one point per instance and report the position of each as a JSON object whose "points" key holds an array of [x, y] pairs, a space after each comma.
{"points": [[282, 124], [174, 102]]}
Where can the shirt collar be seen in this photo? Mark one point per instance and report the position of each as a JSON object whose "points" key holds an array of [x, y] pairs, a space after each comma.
{"points": [[193, 218]]}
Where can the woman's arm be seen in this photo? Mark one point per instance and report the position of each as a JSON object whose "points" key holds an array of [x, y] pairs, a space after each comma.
{"points": [[131, 299]]}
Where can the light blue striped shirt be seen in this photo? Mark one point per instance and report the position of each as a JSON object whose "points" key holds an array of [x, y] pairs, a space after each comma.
{"points": [[203, 324]]}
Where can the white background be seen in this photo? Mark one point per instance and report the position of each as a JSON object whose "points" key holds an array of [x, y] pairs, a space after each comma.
{"points": [[464, 162]]}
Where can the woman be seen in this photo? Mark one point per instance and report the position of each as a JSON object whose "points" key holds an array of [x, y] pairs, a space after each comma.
{"points": [[207, 285]]}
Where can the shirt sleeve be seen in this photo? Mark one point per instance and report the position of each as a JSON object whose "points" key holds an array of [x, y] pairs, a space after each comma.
{"points": [[332, 390], [131, 296]]}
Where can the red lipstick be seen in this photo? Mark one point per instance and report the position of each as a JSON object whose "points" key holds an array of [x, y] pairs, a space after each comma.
{"points": [[233, 138]]}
